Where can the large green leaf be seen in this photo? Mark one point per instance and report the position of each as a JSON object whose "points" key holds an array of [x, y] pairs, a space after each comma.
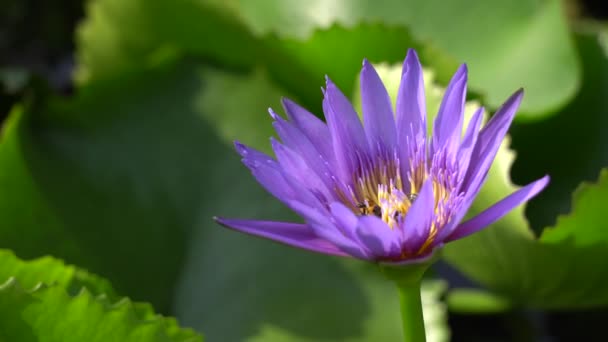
{"points": [[506, 44], [565, 267], [105, 180], [49, 314], [48, 270], [117, 36], [571, 146], [45, 300]]}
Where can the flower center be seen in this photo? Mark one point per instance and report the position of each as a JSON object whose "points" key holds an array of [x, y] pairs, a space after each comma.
{"points": [[390, 204]]}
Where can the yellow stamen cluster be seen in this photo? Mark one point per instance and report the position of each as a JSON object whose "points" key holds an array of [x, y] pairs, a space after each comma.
{"points": [[393, 203], [381, 193]]}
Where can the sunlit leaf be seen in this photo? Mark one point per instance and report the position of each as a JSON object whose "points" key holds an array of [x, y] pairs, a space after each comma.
{"points": [[466, 300], [117, 36], [565, 267], [46, 300], [48, 313], [48, 270], [495, 38]]}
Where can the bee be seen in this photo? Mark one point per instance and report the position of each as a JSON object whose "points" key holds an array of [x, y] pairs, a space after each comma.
{"points": [[412, 197], [377, 211], [362, 208], [365, 210]]}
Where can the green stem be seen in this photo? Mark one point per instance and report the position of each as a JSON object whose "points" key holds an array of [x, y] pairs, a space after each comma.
{"points": [[411, 311], [408, 278]]}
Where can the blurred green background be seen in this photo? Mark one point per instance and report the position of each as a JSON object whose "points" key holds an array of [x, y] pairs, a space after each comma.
{"points": [[118, 118]]}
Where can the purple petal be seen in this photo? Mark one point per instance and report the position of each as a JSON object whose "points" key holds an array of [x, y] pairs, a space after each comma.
{"points": [[411, 101], [293, 138], [321, 222], [378, 237], [483, 154], [348, 246], [448, 124], [291, 234], [295, 166], [312, 214], [252, 155], [498, 210], [468, 142], [269, 173], [311, 126], [488, 142], [266, 171], [419, 218], [346, 220], [378, 117], [348, 136]]}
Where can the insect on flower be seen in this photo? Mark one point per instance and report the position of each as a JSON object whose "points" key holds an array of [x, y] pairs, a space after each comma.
{"points": [[381, 189]]}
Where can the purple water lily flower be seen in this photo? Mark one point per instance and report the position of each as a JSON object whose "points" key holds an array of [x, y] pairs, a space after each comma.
{"points": [[383, 190]]}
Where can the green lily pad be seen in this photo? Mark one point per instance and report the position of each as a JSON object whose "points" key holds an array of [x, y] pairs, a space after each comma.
{"points": [[500, 41], [105, 180], [116, 35], [564, 267], [468, 300], [48, 270], [46, 300], [48, 313], [109, 44]]}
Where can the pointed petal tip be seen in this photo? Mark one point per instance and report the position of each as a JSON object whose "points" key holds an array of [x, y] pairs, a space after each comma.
{"points": [[329, 85], [412, 56], [366, 70], [220, 220], [511, 105], [289, 103], [517, 96], [276, 145], [240, 147], [273, 114], [499, 209], [411, 61], [543, 182], [462, 72], [291, 234], [519, 93]]}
